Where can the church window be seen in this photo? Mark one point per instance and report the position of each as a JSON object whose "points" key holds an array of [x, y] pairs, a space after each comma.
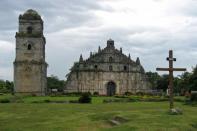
{"points": [[95, 66], [110, 59], [29, 47], [110, 68], [29, 30], [125, 68]]}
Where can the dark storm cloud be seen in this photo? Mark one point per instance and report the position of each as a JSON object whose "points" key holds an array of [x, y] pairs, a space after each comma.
{"points": [[64, 13], [57, 15], [73, 27]]}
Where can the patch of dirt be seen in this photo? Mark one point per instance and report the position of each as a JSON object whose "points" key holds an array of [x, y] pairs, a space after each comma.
{"points": [[117, 120]]}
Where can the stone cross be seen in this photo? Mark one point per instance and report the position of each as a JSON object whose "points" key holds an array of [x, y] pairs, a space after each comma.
{"points": [[171, 69]]}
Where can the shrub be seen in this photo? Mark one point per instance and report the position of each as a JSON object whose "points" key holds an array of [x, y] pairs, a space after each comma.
{"points": [[128, 93], [193, 97], [85, 98], [73, 101], [47, 101], [88, 93], [33, 95], [4, 101], [95, 93], [140, 93]]}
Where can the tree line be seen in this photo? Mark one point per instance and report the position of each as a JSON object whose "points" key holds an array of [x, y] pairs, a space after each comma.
{"points": [[6, 86], [182, 83]]}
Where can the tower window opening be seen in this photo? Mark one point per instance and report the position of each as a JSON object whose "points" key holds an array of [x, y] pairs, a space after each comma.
{"points": [[29, 47], [29, 30]]}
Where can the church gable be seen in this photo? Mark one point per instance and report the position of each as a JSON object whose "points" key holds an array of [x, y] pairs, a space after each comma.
{"points": [[109, 55], [108, 59]]}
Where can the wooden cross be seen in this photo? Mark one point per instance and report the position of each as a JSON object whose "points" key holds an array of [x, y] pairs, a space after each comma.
{"points": [[171, 69]]}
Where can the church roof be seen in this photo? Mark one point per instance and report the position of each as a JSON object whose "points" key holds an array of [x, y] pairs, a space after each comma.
{"points": [[108, 59], [109, 51], [108, 56]]}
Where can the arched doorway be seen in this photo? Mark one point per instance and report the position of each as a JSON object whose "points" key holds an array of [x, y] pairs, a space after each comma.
{"points": [[111, 88]]}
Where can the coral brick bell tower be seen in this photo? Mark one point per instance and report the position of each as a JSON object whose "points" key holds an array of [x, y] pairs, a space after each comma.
{"points": [[30, 68]]}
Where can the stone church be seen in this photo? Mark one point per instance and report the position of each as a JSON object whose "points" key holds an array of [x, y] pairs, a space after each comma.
{"points": [[107, 72], [30, 68]]}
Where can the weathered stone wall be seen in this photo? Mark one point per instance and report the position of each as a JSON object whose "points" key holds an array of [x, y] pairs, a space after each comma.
{"points": [[30, 78], [97, 82], [37, 52], [24, 24]]}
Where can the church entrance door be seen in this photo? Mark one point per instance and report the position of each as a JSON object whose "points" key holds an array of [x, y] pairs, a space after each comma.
{"points": [[111, 88]]}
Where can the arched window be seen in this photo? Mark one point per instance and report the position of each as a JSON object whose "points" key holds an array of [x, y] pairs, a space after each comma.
{"points": [[125, 68], [95, 67], [110, 68], [29, 47], [29, 30], [110, 59]]}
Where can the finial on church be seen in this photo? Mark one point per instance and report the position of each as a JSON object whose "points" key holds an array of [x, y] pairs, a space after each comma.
{"points": [[138, 61], [99, 49], [90, 54], [110, 43], [129, 56], [120, 49], [81, 58]]}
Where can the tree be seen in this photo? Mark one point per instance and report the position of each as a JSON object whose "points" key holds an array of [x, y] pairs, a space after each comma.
{"points": [[193, 79], [177, 82], [153, 77], [9, 85], [2, 85], [6, 86], [162, 83], [184, 82], [54, 83]]}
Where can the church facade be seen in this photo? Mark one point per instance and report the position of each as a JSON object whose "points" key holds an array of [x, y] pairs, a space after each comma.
{"points": [[30, 68], [107, 72]]}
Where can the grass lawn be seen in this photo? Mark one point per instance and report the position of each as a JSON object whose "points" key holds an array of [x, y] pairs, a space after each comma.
{"points": [[142, 116]]}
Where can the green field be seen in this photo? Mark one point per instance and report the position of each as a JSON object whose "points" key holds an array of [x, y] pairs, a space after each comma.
{"points": [[34, 115]]}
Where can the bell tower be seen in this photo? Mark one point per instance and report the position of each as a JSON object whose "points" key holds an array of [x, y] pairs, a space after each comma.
{"points": [[30, 68]]}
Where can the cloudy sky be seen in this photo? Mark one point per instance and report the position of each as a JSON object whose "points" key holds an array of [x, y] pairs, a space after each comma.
{"points": [[144, 28]]}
